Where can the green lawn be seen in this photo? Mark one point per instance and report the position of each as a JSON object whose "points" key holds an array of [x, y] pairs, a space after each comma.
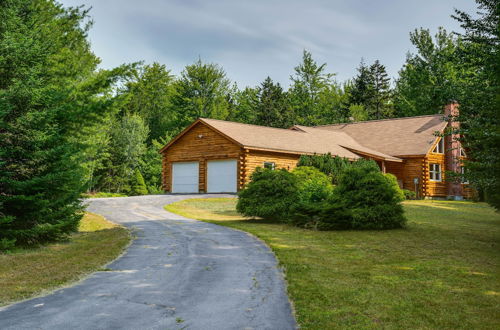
{"points": [[442, 272], [28, 272]]}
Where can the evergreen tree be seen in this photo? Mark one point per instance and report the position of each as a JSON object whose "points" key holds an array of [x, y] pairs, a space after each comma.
{"points": [[49, 90], [371, 89], [380, 100], [308, 82], [272, 107], [243, 104], [137, 185], [361, 90], [201, 91], [479, 108]]}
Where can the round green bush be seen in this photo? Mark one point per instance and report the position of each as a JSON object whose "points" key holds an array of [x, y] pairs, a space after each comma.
{"points": [[363, 199], [314, 185], [400, 195], [271, 194]]}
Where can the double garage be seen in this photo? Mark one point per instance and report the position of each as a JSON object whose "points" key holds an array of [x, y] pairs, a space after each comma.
{"points": [[221, 176]]}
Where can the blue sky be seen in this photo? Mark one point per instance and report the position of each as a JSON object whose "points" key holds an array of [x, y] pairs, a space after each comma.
{"points": [[254, 39]]}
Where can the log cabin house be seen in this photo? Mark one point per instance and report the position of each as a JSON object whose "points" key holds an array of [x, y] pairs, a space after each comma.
{"points": [[219, 156]]}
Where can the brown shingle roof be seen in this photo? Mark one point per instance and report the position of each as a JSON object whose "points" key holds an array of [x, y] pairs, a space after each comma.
{"points": [[395, 137], [304, 141]]}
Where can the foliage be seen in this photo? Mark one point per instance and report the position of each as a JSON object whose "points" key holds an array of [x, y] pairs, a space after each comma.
{"points": [[313, 185], [309, 83], [380, 101], [479, 108], [102, 194], [137, 185], [409, 194], [400, 195], [331, 166], [363, 199], [430, 78], [358, 112], [201, 91], [371, 89], [270, 195], [50, 89], [128, 145], [272, 108], [149, 96]]}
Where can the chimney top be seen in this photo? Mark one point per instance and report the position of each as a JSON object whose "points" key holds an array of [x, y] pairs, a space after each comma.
{"points": [[451, 109]]}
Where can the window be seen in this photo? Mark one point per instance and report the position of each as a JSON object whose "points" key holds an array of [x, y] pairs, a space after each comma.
{"points": [[435, 172], [464, 179], [462, 152], [439, 149], [269, 165]]}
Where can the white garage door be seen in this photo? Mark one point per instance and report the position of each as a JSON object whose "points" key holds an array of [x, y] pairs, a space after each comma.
{"points": [[221, 176], [185, 177]]}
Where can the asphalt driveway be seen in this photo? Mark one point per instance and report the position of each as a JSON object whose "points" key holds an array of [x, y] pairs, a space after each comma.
{"points": [[177, 274]]}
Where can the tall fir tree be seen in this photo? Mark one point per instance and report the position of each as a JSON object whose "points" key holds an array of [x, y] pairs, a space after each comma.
{"points": [[480, 106], [50, 90], [308, 82], [272, 107], [361, 89], [380, 102]]}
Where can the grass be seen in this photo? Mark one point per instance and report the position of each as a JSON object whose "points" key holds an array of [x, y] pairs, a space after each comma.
{"points": [[25, 273], [441, 272]]}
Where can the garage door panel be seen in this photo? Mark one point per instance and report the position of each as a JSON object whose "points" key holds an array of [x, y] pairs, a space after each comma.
{"points": [[222, 176], [185, 177]]}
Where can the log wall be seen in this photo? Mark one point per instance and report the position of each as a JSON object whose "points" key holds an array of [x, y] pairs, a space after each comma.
{"points": [[200, 143]]}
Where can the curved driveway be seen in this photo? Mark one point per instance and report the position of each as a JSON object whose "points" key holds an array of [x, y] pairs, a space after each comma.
{"points": [[177, 274]]}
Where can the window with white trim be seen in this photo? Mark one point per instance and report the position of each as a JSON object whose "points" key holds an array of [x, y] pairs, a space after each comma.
{"points": [[439, 149], [435, 172], [462, 152], [269, 165], [464, 179]]}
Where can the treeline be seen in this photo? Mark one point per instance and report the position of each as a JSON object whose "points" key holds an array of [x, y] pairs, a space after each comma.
{"points": [[67, 127], [155, 105]]}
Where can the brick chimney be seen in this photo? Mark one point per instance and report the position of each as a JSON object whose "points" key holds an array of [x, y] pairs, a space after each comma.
{"points": [[452, 150]]}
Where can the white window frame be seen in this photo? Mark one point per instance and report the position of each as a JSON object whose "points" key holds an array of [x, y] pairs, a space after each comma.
{"points": [[464, 179], [272, 165], [462, 152], [435, 172], [439, 148]]}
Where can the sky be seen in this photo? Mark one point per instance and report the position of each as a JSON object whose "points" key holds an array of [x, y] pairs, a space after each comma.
{"points": [[254, 39]]}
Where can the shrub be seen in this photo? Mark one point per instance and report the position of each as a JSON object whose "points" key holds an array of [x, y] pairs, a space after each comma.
{"points": [[363, 199], [138, 186], [314, 186], [409, 194], [400, 196], [331, 166], [271, 194]]}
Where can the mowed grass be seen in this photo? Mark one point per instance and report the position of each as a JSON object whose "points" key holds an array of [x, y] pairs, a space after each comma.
{"points": [[441, 272], [28, 272]]}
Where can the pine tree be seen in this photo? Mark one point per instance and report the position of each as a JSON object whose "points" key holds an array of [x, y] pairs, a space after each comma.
{"points": [[50, 90], [380, 97], [272, 107], [361, 91], [308, 83], [137, 184]]}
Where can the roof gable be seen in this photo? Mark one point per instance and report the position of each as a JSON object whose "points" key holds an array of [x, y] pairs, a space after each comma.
{"points": [[395, 137]]}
